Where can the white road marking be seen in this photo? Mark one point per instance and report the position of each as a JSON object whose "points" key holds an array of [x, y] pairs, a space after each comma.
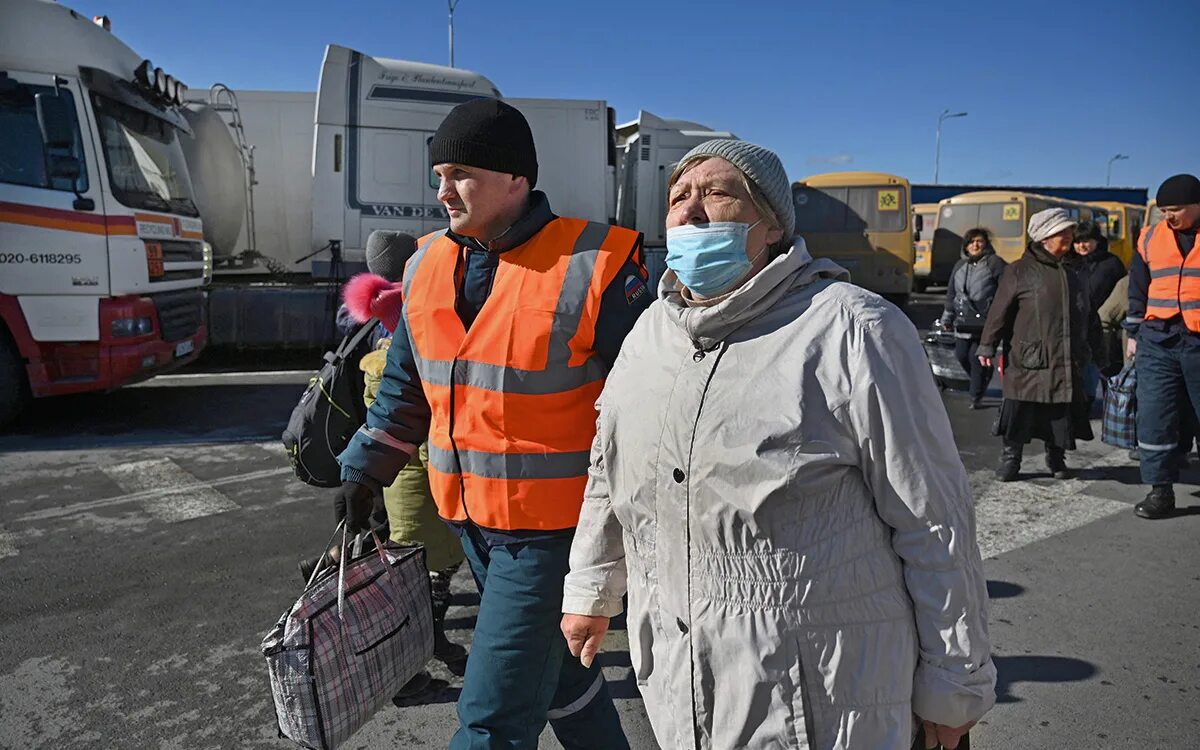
{"points": [[267, 377], [177, 495], [1011, 515], [8, 544], [147, 494]]}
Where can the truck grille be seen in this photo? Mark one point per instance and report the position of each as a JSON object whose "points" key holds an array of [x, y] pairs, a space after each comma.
{"points": [[179, 313], [175, 251]]}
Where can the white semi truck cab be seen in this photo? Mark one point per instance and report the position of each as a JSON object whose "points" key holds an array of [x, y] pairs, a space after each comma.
{"points": [[102, 258]]}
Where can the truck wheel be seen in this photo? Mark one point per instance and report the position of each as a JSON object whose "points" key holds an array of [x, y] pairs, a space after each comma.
{"points": [[14, 384], [920, 285]]}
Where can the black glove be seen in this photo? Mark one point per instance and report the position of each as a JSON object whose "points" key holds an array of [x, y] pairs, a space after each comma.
{"points": [[355, 502]]}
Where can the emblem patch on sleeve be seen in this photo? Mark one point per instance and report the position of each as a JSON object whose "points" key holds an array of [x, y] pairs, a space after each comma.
{"points": [[634, 288]]}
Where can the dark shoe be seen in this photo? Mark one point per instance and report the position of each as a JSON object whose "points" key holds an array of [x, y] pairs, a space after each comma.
{"points": [[325, 561], [976, 405], [415, 686], [1135, 455], [1159, 503], [308, 566], [1056, 462], [445, 650], [1010, 464]]}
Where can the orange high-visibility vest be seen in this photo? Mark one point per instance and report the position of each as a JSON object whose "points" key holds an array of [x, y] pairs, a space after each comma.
{"points": [[1174, 280], [513, 399]]}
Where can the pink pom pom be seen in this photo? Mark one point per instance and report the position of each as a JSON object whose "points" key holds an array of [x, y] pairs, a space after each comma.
{"points": [[360, 292]]}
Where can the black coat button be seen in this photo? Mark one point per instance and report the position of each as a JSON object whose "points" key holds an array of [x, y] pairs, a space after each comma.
{"points": [[677, 475], [682, 625]]}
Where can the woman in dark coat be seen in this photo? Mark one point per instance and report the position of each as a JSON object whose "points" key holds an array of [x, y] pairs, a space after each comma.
{"points": [[1042, 314], [973, 284], [1102, 270]]}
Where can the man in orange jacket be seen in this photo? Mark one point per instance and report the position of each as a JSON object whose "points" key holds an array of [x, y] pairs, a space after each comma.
{"points": [[1164, 327], [511, 320]]}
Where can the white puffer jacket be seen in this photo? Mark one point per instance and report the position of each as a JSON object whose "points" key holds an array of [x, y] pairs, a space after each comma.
{"points": [[775, 481]]}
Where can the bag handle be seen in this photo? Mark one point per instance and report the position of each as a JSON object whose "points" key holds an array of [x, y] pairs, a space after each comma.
{"points": [[325, 551], [357, 541]]}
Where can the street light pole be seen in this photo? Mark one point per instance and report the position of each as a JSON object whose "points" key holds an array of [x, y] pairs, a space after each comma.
{"points": [[937, 148], [1108, 177], [452, 4]]}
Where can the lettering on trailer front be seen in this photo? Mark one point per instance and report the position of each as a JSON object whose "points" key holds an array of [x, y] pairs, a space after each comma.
{"points": [[398, 211]]}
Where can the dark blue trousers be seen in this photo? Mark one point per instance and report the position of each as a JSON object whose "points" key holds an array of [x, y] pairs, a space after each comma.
{"points": [[519, 674], [966, 351], [1168, 385]]}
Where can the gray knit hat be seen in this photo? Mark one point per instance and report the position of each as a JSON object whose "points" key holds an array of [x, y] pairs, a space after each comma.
{"points": [[1048, 223], [763, 168]]}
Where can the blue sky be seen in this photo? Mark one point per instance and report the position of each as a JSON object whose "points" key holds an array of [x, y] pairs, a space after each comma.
{"points": [[1053, 89]]}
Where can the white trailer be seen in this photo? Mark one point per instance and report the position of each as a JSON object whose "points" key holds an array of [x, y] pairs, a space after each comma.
{"points": [[325, 170]]}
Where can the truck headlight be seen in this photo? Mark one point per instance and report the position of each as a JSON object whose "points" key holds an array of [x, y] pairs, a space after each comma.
{"points": [[123, 328]]}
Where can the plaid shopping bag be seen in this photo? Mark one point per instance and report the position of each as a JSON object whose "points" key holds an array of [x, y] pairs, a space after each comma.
{"points": [[1119, 424], [354, 637]]}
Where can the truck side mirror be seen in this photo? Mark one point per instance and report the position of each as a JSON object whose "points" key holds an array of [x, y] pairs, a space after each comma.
{"points": [[918, 223], [55, 118]]}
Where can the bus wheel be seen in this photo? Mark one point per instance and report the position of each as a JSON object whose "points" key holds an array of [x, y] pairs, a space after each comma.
{"points": [[14, 384], [899, 300], [920, 285]]}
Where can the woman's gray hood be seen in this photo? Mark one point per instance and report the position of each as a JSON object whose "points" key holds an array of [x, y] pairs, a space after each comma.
{"points": [[708, 326]]}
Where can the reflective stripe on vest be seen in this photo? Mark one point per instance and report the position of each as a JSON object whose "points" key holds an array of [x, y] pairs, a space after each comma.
{"points": [[1174, 280], [512, 401]]}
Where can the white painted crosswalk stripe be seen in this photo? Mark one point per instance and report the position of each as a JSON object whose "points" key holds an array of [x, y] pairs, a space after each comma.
{"points": [[8, 544], [175, 494], [1010, 515], [148, 494]]}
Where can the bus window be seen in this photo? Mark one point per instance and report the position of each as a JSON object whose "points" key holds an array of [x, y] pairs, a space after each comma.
{"points": [[927, 222], [1002, 219], [1114, 226], [851, 209]]}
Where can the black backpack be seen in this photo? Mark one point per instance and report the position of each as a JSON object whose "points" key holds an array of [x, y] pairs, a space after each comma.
{"points": [[330, 412]]}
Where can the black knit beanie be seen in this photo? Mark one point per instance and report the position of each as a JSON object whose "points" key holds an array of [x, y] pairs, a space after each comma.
{"points": [[489, 134], [1180, 190]]}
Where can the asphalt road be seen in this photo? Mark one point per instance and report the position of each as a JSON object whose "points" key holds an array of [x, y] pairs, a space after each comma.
{"points": [[148, 540]]}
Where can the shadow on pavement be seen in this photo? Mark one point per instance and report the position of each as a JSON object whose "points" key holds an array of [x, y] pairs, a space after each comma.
{"points": [[1003, 590], [155, 416], [440, 691], [1130, 474], [1054, 669]]}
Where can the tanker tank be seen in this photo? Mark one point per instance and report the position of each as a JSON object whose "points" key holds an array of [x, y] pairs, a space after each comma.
{"points": [[218, 177]]}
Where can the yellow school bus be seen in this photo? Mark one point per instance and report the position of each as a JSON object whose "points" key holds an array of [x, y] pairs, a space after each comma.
{"points": [[1124, 226], [861, 221], [1003, 213], [924, 220]]}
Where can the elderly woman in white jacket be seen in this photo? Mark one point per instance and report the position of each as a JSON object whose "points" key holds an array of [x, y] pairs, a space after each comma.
{"points": [[775, 483]]}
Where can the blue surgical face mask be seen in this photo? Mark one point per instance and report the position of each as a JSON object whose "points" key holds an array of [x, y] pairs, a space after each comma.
{"points": [[709, 259]]}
